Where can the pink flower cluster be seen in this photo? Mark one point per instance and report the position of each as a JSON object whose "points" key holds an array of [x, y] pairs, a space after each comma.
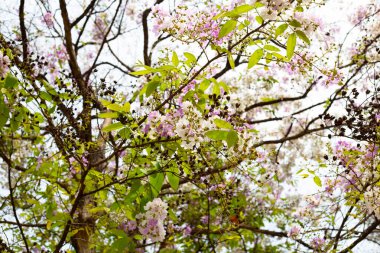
{"points": [[4, 64], [317, 243], [99, 30], [188, 24], [56, 59], [151, 223], [48, 19], [294, 232], [359, 15]]}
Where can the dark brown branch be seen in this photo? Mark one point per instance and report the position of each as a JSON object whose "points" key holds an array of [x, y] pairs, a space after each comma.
{"points": [[145, 14], [342, 226], [23, 31], [14, 209], [252, 229], [280, 100], [28, 225], [75, 69], [363, 236], [86, 11]]}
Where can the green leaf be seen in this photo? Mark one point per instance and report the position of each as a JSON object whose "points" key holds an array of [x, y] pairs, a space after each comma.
{"points": [[127, 107], [303, 36], [112, 127], [291, 45], [258, 5], [317, 181], [255, 58], [240, 10], [231, 60], [4, 114], [156, 182], [281, 29], [45, 96], [173, 178], [232, 138], [259, 20], [175, 59], [141, 72], [271, 48], [190, 58], [110, 115], [120, 245], [223, 124], [125, 133], [10, 81], [204, 85], [151, 87], [217, 135], [299, 9], [228, 27], [295, 23], [278, 56], [115, 107]]}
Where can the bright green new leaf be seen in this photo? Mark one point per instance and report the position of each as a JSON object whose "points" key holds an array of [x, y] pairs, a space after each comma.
{"points": [[240, 10], [231, 60], [151, 87], [190, 58], [204, 84], [271, 48], [217, 135], [232, 138], [223, 124], [303, 36], [124, 133], [108, 115], [295, 23], [112, 106], [299, 9], [115, 107], [281, 29], [112, 127], [228, 27], [255, 58], [127, 107], [317, 181], [259, 20], [175, 59], [291, 45], [258, 5], [141, 72]]}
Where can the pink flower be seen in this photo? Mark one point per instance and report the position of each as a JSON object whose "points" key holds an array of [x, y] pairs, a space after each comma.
{"points": [[294, 232], [187, 231], [4, 65], [204, 219], [131, 225], [317, 242], [48, 19], [99, 29]]}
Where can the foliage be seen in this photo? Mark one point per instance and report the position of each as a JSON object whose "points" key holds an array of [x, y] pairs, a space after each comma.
{"points": [[197, 141]]}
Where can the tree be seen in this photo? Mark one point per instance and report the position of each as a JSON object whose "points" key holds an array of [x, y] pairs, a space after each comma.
{"points": [[189, 139]]}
